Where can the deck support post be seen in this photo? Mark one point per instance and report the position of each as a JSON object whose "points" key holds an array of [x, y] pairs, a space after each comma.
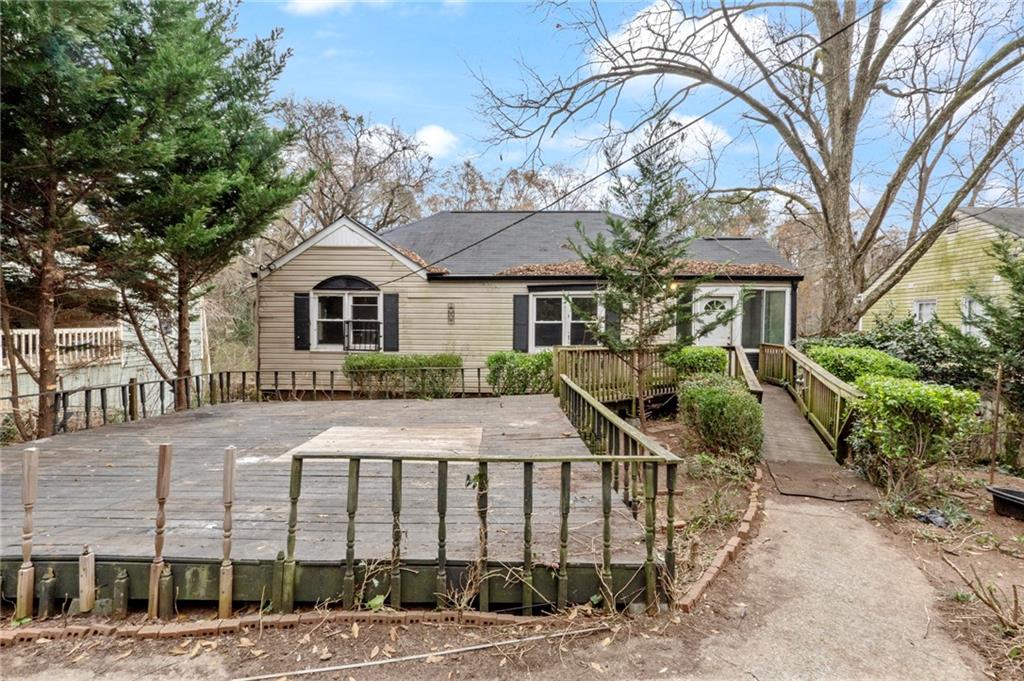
{"points": [[165, 611], [227, 570], [441, 586], [351, 505], [47, 586], [607, 588], [670, 528], [481, 507], [396, 534], [163, 488], [650, 583], [563, 536], [528, 538], [288, 575], [86, 580], [27, 572], [119, 597]]}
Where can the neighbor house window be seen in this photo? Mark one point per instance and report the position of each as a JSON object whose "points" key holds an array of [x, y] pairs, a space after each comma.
{"points": [[562, 320], [347, 321], [970, 312], [764, 318], [924, 310]]}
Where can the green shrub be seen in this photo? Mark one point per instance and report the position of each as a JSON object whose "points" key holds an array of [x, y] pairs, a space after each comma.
{"points": [[377, 374], [518, 373], [694, 359], [904, 426], [848, 364], [940, 351], [724, 414]]}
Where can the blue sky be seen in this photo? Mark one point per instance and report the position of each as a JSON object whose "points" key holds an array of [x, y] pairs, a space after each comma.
{"points": [[411, 63]]}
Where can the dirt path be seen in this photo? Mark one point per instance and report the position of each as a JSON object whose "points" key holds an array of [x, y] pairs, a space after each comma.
{"points": [[821, 593]]}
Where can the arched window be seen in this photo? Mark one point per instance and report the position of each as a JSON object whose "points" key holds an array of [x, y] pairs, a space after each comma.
{"points": [[347, 314]]}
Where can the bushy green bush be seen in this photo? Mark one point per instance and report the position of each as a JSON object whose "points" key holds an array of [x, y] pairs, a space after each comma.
{"points": [[722, 412], [693, 359], [519, 373], [904, 426], [377, 374], [940, 351], [848, 364]]}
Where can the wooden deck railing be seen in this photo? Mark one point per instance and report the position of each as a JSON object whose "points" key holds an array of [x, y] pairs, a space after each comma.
{"points": [[825, 400], [739, 367], [76, 347], [486, 576], [608, 377]]}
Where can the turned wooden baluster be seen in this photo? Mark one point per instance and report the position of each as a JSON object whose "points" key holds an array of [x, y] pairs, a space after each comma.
{"points": [[352, 505], [396, 534], [227, 570], [528, 538], [563, 536], [27, 571], [441, 587], [607, 589], [163, 488], [481, 507], [650, 585]]}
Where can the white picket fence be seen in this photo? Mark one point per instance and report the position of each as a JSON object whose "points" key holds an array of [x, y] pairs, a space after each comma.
{"points": [[76, 347]]}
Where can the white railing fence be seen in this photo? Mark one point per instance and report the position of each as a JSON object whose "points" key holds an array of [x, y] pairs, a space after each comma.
{"points": [[75, 346]]}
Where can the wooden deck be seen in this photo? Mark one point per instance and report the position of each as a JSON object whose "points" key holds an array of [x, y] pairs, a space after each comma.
{"points": [[96, 487]]}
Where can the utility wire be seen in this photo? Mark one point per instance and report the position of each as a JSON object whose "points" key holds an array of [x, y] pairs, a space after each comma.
{"points": [[682, 128]]}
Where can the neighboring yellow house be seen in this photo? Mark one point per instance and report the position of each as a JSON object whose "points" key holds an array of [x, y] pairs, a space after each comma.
{"points": [[937, 286]]}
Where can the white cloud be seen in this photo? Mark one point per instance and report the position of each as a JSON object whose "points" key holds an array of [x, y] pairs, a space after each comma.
{"points": [[324, 6], [437, 141]]}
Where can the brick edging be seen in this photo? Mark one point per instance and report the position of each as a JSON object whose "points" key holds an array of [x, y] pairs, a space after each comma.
{"points": [[728, 551], [168, 630]]}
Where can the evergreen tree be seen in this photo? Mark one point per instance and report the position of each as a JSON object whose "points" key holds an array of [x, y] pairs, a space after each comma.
{"points": [[640, 266], [223, 184], [1001, 321], [86, 94]]}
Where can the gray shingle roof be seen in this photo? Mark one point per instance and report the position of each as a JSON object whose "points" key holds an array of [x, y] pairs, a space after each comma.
{"points": [[540, 239], [1008, 219]]}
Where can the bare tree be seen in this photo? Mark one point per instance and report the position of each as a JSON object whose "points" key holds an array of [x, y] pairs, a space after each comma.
{"points": [[815, 80], [370, 172], [466, 187]]}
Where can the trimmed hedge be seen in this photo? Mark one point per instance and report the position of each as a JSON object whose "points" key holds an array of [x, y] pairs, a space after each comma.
{"points": [[694, 359], [519, 373], [378, 374], [904, 426], [848, 364], [724, 414]]}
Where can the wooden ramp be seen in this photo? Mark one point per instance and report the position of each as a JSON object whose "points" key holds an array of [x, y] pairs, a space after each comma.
{"points": [[799, 461]]}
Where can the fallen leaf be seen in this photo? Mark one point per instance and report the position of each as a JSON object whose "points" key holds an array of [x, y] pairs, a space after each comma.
{"points": [[195, 649], [433, 659], [355, 630], [596, 667], [607, 641], [257, 653], [245, 643], [123, 655], [388, 648], [375, 652], [393, 633], [503, 661], [304, 639], [79, 658], [326, 655]]}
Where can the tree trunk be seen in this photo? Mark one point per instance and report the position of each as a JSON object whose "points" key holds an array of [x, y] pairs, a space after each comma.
{"points": [[184, 363], [46, 322]]}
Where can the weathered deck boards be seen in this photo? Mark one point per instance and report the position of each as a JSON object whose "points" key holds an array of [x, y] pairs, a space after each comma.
{"points": [[97, 487], [788, 436]]}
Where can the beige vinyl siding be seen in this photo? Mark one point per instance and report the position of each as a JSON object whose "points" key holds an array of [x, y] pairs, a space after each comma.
{"points": [[954, 262], [483, 311]]}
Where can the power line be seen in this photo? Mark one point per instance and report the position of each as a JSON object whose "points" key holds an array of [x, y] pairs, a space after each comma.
{"points": [[680, 129]]}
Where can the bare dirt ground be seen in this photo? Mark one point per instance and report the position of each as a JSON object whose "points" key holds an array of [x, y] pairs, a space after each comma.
{"points": [[988, 545]]}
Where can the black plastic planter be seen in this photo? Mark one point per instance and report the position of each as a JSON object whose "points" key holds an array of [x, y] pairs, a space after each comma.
{"points": [[1008, 502]]}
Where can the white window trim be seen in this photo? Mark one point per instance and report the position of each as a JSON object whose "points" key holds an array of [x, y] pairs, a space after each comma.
{"points": [[967, 314], [737, 322], [915, 308], [566, 311], [314, 317]]}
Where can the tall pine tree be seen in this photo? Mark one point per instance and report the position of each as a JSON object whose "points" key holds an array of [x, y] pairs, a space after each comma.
{"points": [[641, 265]]}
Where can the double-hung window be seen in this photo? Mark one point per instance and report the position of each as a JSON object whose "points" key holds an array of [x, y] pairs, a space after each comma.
{"points": [[347, 320], [970, 311], [924, 310], [557, 319]]}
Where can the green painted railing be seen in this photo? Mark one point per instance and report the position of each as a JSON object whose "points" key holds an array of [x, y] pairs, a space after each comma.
{"points": [[614, 582]]}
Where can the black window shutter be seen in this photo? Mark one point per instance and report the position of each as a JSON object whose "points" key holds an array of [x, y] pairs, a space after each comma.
{"points": [[301, 321], [613, 322], [684, 320], [390, 322], [521, 323]]}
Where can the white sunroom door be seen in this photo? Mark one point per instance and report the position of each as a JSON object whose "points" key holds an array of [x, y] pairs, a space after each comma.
{"points": [[711, 307]]}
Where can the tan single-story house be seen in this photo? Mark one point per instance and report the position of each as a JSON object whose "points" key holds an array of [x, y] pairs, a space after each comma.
{"points": [[438, 285], [939, 284]]}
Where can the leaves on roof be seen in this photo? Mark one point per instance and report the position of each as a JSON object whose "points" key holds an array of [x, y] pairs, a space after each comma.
{"points": [[686, 268]]}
